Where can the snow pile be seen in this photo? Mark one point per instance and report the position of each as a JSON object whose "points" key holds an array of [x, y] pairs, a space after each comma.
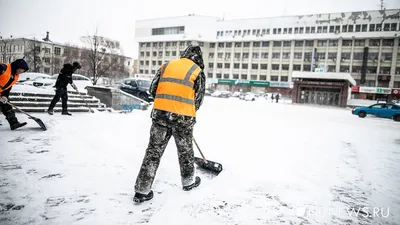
{"points": [[282, 163], [31, 89]]}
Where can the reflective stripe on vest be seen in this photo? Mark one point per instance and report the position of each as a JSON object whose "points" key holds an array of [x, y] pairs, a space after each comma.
{"points": [[175, 98], [174, 80], [7, 79]]}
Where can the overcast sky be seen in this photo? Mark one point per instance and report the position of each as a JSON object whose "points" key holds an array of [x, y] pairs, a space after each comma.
{"points": [[67, 20]]}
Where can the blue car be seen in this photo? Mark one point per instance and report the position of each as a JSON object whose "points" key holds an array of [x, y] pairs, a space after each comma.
{"points": [[383, 110]]}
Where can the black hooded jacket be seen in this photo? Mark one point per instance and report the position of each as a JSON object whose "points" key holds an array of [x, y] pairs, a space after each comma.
{"points": [[65, 76]]}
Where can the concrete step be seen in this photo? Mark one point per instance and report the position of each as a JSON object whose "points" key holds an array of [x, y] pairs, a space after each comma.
{"points": [[49, 95], [46, 104], [48, 99], [58, 109]]}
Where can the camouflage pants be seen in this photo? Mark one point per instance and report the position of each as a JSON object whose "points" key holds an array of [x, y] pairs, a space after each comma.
{"points": [[160, 133]]}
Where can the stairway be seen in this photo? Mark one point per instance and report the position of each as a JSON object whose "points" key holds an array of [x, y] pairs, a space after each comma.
{"points": [[39, 102]]}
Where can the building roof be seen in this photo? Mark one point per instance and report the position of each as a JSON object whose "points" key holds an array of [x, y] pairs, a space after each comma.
{"points": [[325, 76]]}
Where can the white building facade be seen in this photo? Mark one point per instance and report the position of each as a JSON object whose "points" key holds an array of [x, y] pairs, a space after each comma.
{"points": [[269, 49]]}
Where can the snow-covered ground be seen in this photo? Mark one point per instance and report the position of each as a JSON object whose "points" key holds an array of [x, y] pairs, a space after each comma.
{"points": [[283, 164]]}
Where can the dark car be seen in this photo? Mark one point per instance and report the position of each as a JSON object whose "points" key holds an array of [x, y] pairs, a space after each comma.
{"points": [[137, 87]]}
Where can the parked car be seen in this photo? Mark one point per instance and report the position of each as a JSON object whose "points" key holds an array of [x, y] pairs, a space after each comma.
{"points": [[225, 94], [80, 81], [29, 77], [236, 94], [383, 110], [250, 97], [242, 96], [137, 87]]}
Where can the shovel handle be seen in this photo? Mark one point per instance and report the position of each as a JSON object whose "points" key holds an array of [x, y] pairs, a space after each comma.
{"points": [[198, 148]]}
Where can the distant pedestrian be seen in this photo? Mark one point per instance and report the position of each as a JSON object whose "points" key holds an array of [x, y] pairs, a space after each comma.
{"points": [[272, 97], [277, 98]]}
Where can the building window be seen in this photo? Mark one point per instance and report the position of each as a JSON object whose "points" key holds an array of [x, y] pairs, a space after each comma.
{"points": [[141, 63], [372, 27], [212, 45], [345, 56], [347, 43], [322, 43], [386, 57], [332, 55], [168, 30], [384, 70], [228, 45], [321, 56], [236, 65], [388, 42], [264, 55], [46, 70], [220, 55], [148, 45], [254, 66], [286, 43], [174, 44], [146, 71], [246, 44], [284, 79], [57, 51], [359, 43], [274, 78], [255, 55], [148, 54], [265, 44], [244, 76], [221, 45], [331, 29], [219, 65], [356, 69], [299, 43], [264, 66], [344, 69], [167, 53], [227, 65], [285, 55], [309, 43], [245, 66], [350, 28], [277, 44], [219, 76], [396, 84], [238, 44], [142, 45], [227, 55], [256, 44], [364, 28], [306, 67], [275, 66], [298, 55], [210, 65], [372, 69], [253, 77], [245, 55], [209, 75], [159, 63], [307, 30], [333, 43], [226, 76], [374, 42], [296, 67], [358, 56], [160, 44], [386, 27], [263, 77], [312, 30], [141, 71], [237, 55], [285, 67], [276, 55], [393, 27], [167, 44], [47, 60], [147, 63], [173, 53], [235, 76], [153, 63], [307, 56]]}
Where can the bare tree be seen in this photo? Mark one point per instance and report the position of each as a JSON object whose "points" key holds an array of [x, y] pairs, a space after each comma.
{"points": [[7, 52], [32, 54], [100, 56]]}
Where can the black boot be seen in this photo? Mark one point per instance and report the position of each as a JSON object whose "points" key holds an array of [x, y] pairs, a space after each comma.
{"points": [[195, 184], [66, 113], [50, 111], [138, 198], [12, 120]]}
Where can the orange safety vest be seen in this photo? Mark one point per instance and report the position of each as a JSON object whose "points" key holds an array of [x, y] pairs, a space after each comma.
{"points": [[7, 80], [175, 92]]}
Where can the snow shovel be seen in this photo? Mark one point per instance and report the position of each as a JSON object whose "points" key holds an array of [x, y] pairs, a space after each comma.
{"points": [[37, 120], [207, 164], [76, 89]]}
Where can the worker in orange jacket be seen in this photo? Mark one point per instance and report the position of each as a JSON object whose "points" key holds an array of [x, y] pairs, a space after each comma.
{"points": [[178, 90], [9, 75]]}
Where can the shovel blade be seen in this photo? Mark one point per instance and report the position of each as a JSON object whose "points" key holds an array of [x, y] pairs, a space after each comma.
{"points": [[40, 122], [208, 165]]}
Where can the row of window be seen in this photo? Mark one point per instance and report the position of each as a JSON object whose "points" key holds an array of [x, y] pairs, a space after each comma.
{"points": [[301, 43], [347, 28], [245, 76], [168, 44], [168, 30], [372, 83]]}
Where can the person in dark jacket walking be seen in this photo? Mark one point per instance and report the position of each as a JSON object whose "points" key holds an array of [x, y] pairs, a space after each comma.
{"points": [[178, 90], [9, 75], [64, 78]]}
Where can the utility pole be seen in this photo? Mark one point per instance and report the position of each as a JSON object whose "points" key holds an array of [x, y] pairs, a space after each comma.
{"points": [[382, 5]]}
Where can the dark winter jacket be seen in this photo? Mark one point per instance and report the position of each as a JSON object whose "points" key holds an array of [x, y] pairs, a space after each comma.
{"points": [[65, 76], [199, 88]]}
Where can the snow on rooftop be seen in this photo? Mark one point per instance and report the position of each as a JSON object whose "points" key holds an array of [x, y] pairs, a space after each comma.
{"points": [[326, 75]]}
